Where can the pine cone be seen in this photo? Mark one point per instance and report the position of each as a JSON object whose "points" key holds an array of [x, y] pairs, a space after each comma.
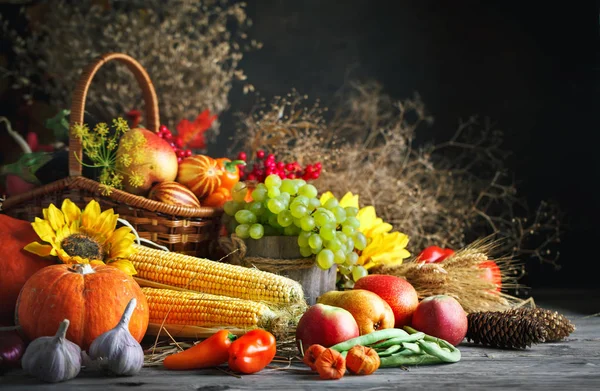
{"points": [[557, 325], [505, 330]]}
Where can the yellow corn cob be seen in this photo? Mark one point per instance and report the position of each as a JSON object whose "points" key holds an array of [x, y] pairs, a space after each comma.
{"points": [[203, 275], [205, 310]]}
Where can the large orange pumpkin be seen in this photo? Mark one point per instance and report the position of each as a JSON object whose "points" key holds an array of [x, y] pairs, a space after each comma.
{"points": [[92, 298], [16, 264]]}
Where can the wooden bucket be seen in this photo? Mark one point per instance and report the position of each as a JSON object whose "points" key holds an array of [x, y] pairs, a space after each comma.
{"points": [[281, 255]]}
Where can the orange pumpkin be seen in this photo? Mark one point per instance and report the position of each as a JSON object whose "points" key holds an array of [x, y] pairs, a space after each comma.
{"points": [[201, 174], [16, 264], [93, 298]]}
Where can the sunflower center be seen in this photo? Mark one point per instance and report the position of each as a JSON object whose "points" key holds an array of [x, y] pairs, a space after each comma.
{"points": [[83, 246]]}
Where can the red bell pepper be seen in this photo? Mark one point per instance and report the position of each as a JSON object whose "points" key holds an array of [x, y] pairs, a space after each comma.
{"points": [[252, 351], [434, 254]]}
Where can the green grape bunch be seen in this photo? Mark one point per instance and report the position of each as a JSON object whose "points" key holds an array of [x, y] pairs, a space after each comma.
{"points": [[291, 207]]}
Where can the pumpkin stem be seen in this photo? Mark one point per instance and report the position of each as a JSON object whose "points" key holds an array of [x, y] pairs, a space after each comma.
{"points": [[82, 268], [128, 312], [62, 330]]}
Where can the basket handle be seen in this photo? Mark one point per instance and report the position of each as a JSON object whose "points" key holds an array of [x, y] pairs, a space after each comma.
{"points": [[80, 94]]}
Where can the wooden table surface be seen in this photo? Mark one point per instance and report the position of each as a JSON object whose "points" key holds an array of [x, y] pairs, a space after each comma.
{"points": [[570, 364]]}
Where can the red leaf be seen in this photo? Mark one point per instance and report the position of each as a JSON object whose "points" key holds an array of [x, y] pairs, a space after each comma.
{"points": [[192, 133]]}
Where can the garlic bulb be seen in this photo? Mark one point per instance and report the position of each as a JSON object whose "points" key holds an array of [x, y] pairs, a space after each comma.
{"points": [[116, 349], [53, 359]]}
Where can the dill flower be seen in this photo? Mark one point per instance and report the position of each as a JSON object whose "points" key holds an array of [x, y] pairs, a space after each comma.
{"points": [[88, 236]]}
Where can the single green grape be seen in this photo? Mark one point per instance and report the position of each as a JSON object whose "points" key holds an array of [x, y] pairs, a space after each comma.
{"points": [[305, 251], [308, 190], [331, 203], [239, 191], [297, 222], [342, 237], [243, 231], [344, 270], [245, 217], [231, 207], [358, 272], [315, 241], [298, 210], [322, 217], [259, 194], [353, 222], [256, 207], [325, 259], [340, 214], [313, 203], [299, 182], [307, 223], [351, 211], [351, 258], [273, 221], [339, 257], [273, 181], [288, 186], [327, 232], [360, 240], [303, 239], [275, 206], [256, 231], [348, 229], [301, 200], [349, 246], [285, 198], [285, 218], [273, 192], [291, 230], [334, 244]]}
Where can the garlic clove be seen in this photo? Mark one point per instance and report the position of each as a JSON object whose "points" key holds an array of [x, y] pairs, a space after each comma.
{"points": [[116, 349], [53, 359]]}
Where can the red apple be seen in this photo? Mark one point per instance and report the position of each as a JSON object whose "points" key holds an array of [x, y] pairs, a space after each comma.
{"points": [[325, 325], [397, 292], [441, 316], [158, 161]]}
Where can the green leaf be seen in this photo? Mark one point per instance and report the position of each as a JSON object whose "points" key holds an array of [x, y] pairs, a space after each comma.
{"points": [[27, 165], [59, 124]]}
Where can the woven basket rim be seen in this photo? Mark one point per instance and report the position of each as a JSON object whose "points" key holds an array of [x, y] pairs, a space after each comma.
{"points": [[120, 196]]}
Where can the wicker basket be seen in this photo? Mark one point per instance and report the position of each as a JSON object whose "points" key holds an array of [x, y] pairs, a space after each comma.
{"points": [[182, 229]]}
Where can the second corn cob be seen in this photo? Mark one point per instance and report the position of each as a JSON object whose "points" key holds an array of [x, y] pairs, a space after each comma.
{"points": [[203, 275], [205, 310]]}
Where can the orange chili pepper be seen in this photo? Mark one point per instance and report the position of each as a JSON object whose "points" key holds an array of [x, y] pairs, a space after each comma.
{"points": [[217, 198], [231, 172], [211, 352]]}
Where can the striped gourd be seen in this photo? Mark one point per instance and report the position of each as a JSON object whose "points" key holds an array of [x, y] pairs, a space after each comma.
{"points": [[203, 275], [204, 310], [173, 193]]}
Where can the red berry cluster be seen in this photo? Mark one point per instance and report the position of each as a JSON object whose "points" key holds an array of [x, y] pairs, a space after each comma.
{"points": [[267, 165], [175, 142]]}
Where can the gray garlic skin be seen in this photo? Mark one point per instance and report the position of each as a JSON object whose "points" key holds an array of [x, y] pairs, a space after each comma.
{"points": [[53, 359], [117, 350]]}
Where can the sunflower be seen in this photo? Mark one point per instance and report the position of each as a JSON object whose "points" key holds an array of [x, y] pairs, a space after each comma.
{"points": [[383, 246], [90, 236]]}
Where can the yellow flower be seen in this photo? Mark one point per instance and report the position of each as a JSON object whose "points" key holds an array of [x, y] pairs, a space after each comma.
{"points": [[88, 236], [383, 246]]}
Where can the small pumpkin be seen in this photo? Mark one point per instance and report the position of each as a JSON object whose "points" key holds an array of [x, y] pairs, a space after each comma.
{"points": [[92, 297], [16, 264], [201, 174]]}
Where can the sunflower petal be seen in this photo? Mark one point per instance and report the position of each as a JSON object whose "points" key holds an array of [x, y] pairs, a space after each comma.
{"points": [[90, 215], [44, 230], [105, 224], [349, 199], [55, 217], [71, 211], [43, 250], [121, 243], [124, 265], [325, 196]]}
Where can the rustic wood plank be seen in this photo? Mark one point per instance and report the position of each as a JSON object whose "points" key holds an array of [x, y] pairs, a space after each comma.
{"points": [[574, 363]]}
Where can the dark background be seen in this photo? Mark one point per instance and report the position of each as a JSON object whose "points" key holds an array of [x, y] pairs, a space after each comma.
{"points": [[529, 66]]}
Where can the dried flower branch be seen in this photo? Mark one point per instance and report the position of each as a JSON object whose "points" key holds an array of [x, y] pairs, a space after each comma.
{"points": [[448, 194], [191, 50]]}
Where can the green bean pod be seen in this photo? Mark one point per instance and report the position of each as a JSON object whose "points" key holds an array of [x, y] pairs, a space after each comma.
{"points": [[389, 351], [369, 339], [399, 340], [432, 348], [413, 347], [397, 360]]}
